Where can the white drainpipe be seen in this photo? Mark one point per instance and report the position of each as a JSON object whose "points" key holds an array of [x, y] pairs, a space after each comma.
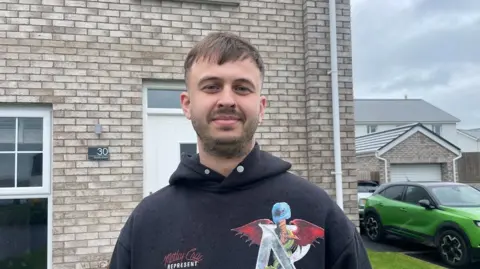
{"points": [[386, 165], [335, 105], [455, 167]]}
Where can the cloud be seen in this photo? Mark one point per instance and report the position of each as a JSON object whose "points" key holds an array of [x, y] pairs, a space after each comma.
{"points": [[423, 48]]}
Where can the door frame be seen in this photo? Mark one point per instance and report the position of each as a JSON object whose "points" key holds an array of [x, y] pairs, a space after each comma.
{"points": [[149, 111], [44, 192]]}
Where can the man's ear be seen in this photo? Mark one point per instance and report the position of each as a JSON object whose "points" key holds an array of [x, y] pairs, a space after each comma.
{"points": [[185, 102], [263, 106]]}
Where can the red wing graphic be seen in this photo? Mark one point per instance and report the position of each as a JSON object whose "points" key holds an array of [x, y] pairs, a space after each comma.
{"points": [[252, 231], [306, 232]]}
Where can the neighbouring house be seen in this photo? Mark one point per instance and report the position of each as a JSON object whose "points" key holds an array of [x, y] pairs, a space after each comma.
{"points": [[377, 115], [90, 120], [469, 140], [381, 123], [407, 153]]}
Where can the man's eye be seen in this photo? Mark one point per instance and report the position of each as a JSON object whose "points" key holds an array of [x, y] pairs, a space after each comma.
{"points": [[211, 87], [243, 89]]}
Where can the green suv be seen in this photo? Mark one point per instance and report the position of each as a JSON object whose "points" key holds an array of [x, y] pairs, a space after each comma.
{"points": [[443, 215]]}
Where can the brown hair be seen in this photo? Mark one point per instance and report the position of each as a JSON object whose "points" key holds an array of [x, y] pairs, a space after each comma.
{"points": [[223, 47]]}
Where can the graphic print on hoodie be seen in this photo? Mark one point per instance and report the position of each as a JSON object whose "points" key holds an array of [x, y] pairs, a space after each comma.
{"points": [[259, 217], [287, 242]]}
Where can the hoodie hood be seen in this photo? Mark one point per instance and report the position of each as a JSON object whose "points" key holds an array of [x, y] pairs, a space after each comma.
{"points": [[258, 165]]}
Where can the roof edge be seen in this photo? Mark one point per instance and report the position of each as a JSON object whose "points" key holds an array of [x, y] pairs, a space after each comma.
{"points": [[428, 133], [389, 130], [468, 135]]}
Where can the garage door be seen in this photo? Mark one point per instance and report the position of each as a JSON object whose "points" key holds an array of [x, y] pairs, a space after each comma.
{"points": [[415, 172], [168, 133]]}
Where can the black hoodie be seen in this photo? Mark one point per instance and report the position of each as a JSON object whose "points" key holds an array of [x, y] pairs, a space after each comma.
{"points": [[259, 215]]}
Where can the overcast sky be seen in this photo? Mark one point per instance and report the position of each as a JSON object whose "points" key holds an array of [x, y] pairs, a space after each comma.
{"points": [[428, 49]]}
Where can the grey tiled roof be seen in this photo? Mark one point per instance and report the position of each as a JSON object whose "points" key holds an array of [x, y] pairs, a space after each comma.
{"points": [[399, 110], [375, 141], [472, 132]]}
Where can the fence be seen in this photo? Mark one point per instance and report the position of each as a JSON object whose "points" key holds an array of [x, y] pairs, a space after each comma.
{"points": [[368, 175], [469, 167]]}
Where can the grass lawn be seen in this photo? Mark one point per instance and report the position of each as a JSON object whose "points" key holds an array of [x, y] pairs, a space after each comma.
{"points": [[391, 260]]}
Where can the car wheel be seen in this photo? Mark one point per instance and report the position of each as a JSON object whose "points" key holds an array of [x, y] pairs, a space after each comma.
{"points": [[453, 249], [373, 227]]}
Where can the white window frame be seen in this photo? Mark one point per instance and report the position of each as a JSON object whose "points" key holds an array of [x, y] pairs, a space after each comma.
{"points": [[370, 127], [46, 152], [44, 192], [437, 126], [162, 85]]}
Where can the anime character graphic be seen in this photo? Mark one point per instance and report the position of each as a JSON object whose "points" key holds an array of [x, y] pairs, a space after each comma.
{"points": [[288, 242]]}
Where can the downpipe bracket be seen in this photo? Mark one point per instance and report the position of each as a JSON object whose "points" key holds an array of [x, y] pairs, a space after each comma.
{"points": [[332, 72]]}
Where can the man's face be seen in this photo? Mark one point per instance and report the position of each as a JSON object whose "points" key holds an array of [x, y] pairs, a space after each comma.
{"points": [[224, 105]]}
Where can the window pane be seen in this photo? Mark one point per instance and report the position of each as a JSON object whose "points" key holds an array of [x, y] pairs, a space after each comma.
{"points": [[7, 170], [164, 98], [394, 193], [7, 134], [23, 233], [29, 169], [414, 194], [30, 134], [188, 148]]}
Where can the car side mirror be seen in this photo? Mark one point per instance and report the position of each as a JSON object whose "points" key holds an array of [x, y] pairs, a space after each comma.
{"points": [[426, 204]]}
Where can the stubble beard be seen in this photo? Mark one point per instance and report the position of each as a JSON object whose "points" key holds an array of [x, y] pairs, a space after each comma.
{"points": [[230, 147]]}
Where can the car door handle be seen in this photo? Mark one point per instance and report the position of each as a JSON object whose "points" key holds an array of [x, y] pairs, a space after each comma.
{"points": [[403, 209]]}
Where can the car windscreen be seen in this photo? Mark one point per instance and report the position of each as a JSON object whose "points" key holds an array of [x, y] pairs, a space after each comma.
{"points": [[456, 195], [367, 187]]}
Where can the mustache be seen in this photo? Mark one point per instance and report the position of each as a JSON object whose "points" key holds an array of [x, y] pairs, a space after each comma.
{"points": [[226, 111]]}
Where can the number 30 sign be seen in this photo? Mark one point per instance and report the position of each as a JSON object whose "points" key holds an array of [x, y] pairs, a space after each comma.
{"points": [[98, 153]]}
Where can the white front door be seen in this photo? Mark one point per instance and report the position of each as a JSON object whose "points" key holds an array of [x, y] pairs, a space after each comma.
{"points": [[166, 137], [415, 172]]}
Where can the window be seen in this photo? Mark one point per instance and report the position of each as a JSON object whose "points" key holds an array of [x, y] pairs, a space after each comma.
{"points": [[188, 148], [457, 195], [414, 194], [164, 94], [394, 193], [437, 128], [163, 98], [25, 197], [23, 164], [371, 129], [24, 233]]}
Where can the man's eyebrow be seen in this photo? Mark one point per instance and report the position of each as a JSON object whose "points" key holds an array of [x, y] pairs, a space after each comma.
{"points": [[244, 80], [209, 78]]}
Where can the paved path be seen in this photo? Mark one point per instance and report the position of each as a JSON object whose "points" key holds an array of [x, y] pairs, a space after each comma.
{"points": [[414, 250]]}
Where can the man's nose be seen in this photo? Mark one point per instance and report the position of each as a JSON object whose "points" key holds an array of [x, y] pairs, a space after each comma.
{"points": [[227, 97]]}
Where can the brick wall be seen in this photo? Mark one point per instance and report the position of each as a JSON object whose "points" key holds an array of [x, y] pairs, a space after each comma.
{"points": [[419, 149], [88, 59], [319, 105], [369, 163]]}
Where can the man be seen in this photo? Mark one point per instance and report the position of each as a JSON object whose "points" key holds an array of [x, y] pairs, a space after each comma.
{"points": [[234, 205]]}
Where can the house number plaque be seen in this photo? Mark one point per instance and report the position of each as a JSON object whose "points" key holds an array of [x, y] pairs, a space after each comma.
{"points": [[98, 153]]}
